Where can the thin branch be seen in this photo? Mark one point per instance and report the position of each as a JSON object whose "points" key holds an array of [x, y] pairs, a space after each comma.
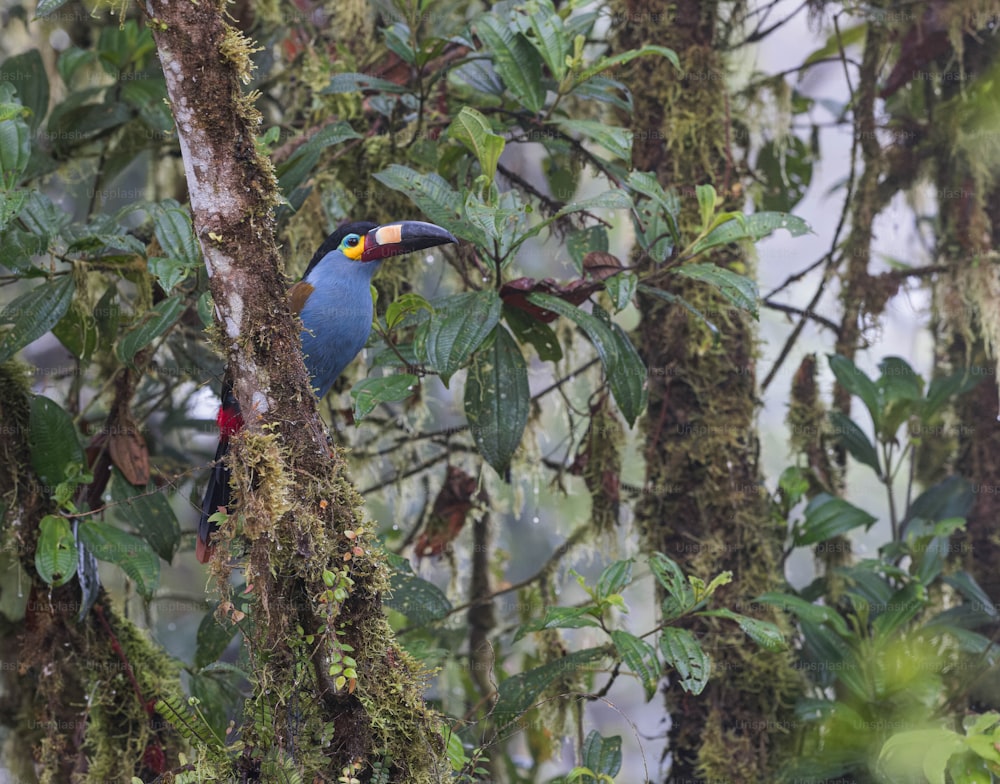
{"points": [[800, 312]]}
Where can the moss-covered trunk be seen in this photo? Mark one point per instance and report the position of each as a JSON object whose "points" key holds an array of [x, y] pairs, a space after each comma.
{"points": [[961, 118], [705, 505], [333, 696], [78, 696]]}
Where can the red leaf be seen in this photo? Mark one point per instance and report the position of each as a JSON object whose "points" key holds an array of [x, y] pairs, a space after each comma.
{"points": [[515, 293]]}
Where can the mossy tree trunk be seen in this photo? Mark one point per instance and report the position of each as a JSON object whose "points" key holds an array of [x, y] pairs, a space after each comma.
{"points": [[333, 695], [77, 695], [968, 295], [704, 503]]}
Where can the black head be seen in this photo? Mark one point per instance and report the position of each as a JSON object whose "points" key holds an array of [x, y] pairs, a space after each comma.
{"points": [[332, 242]]}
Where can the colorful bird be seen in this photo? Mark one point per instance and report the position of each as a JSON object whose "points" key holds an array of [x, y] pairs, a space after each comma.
{"points": [[335, 303]]}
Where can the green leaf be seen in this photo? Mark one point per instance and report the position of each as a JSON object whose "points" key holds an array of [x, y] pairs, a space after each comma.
{"points": [[623, 369], [516, 61], [73, 127], [53, 441], [647, 184], [519, 692], [213, 638], [356, 82], [372, 392], [560, 618], [943, 388], [435, 198], [838, 42], [951, 497], [898, 380], [621, 288], [55, 553], [135, 557], [682, 652], [474, 131], [455, 750], [27, 73], [169, 272], [580, 243], [419, 600], [640, 657], [17, 248], [504, 225], [854, 440], [175, 233], [456, 329], [793, 485], [669, 575], [189, 724], [764, 633], [602, 755], [827, 517], [707, 198], [740, 290], [620, 59], [971, 590], [785, 170], [78, 331], [813, 613], [11, 203], [148, 511], [107, 315], [607, 90], [153, 324], [15, 150], [614, 199], [614, 578], [656, 216], [539, 22], [302, 163], [33, 314], [498, 399], [673, 299], [403, 306], [614, 139], [529, 330], [46, 7], [397, 39], [902, 607], [751, 227], [907, 755], [854, 380], [900, 394], [217, 687], [41, 217]]}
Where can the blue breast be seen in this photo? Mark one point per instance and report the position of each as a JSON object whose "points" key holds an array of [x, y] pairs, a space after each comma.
{"points": [[337, 317]]}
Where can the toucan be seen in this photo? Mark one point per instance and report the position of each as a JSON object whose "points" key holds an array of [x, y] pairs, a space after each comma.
{"points": [[335, 303]]}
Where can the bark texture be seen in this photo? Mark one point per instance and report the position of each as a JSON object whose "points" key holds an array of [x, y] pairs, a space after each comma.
{"points": [[333, 695], [704, 503]]}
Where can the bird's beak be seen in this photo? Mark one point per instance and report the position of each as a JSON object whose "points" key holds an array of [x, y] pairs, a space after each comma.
{"points": [[395, 239]]}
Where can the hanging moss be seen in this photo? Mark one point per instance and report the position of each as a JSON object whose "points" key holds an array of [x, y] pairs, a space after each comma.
{"points": [[704, 504]]}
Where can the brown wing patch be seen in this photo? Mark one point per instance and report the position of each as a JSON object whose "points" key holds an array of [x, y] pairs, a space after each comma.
{"points": [[298, 294]]}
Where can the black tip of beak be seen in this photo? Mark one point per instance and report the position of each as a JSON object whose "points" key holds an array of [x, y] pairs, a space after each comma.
{"points": [[396, 239]]}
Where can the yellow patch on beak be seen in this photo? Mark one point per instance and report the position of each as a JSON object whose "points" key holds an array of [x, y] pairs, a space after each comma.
{"points": [[355, 252], [389, 235]]}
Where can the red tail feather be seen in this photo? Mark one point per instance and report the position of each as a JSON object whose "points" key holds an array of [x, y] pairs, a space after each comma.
{"points": [[230, 421]]}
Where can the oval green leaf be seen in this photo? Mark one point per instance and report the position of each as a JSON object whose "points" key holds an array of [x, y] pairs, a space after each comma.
{"points": [[497, 399], [135, 557], [52, 440], [55, 553], [33, 314]]}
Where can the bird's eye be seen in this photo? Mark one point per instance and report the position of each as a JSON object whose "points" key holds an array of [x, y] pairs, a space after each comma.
{"points": [[352, 240]]}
